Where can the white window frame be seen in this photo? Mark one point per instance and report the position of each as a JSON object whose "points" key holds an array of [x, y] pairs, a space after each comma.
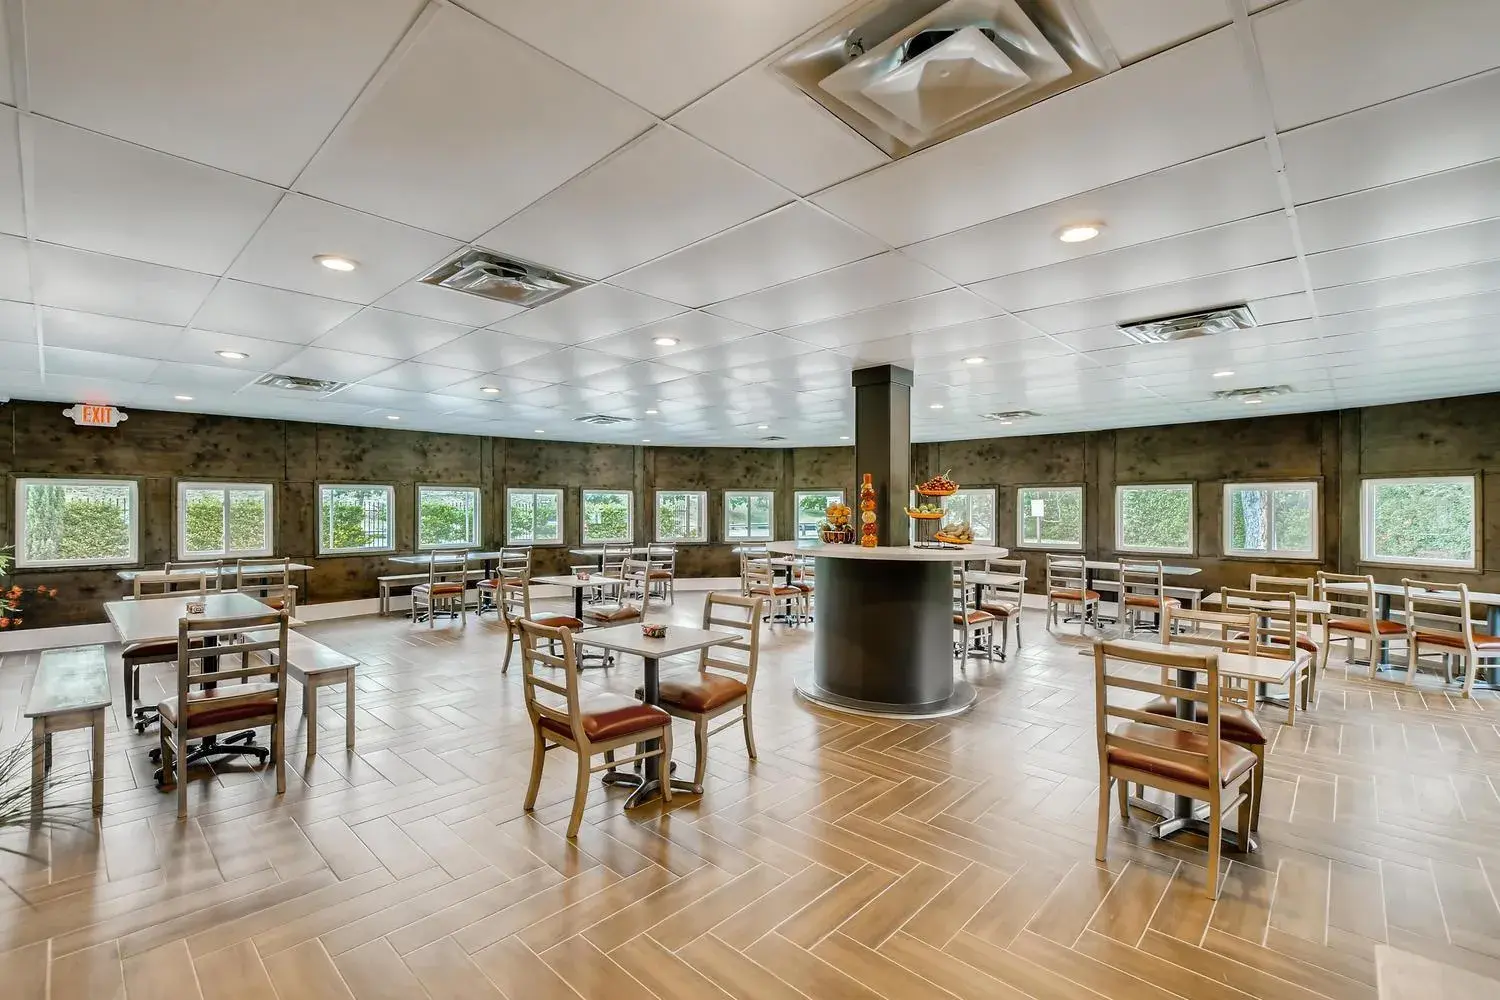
{"points": [[994, 495], [1191, 488], [130, 558], [701, 537], [268, 549], [797, 496], [476, 540], [1022, 515], [770, 534], [535, 491], [390, 499], [583, 517], [1279, 555], [1367, 522]]}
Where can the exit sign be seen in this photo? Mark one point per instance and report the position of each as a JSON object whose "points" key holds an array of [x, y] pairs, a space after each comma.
{"points": [[95, 415]]}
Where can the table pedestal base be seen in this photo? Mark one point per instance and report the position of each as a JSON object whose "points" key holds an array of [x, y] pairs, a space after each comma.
{"points": [[238, 745], [957, 703], [647, 789], [1187, 816]]}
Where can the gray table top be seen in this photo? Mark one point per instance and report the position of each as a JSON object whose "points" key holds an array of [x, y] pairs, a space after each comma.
{"points": [[888, 553], [628, 639], [423, 558], [251, 569], [594, 580], [156, 620]]}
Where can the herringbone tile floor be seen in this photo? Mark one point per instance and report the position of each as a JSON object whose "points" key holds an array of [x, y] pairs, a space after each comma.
{"points": [[857, 859]]}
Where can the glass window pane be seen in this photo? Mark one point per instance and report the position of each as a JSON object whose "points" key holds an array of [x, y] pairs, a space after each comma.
{"points": [[976, 508], [203, 527], [1420, 520], [533, 516], [1050, 516], [447, 516], [77, 521], [812, 510], [681, 516], [248, 521], [606, 516], [747, 515], [1271, 520], [354, 518], [1155, 518]]}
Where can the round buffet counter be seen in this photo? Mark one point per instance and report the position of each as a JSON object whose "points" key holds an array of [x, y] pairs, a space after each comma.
{"points": [[884, 638]]}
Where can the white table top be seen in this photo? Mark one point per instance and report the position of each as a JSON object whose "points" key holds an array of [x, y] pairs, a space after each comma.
{"points": [[1165, 569], [887, 553], [628, 639], [983, 578], [594, 580], [251, 569], [1396, 590], [1257, 669], [423, 558], [156, 620], [598, 550], [1305, 605]]}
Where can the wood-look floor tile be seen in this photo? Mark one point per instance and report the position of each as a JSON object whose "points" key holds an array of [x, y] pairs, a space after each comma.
{"points": [[520, 972], [805, 971], [829, 911], [307, 973], [92, 974], [164, 973], [445, 971], [663, 973], [737, 975], [234, 973], [592, 974], [889, 911]]}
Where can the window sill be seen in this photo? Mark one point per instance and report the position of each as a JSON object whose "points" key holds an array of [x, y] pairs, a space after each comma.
{"points": [[1270, 557], [346, 553], [1409, 564], [1179, 553], [1041, 547]]}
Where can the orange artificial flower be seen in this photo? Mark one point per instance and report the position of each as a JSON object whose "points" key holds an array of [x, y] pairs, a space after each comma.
{"points": [[4, 623]]}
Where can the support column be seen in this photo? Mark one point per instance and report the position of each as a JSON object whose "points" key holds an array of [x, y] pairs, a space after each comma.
{"points": [[882, 444]]}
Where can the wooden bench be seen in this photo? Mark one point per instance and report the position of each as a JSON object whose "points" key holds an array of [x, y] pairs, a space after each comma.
{"points": [[71, 691], [410, 580], [314, 665]]}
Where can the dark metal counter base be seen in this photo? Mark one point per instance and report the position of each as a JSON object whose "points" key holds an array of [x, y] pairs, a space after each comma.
{"points": [[957, 703]]}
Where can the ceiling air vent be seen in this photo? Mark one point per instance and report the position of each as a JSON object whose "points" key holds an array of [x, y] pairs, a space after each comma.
{"points": [[908, 73], [296, 383], [1009, 416], [1256, 394], [504, 279], [602, 420], [773, 437], [1186, 326]]}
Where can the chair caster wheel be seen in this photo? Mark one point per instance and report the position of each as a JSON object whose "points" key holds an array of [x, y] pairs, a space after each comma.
{"points": [[156, 756], [697, 789]]}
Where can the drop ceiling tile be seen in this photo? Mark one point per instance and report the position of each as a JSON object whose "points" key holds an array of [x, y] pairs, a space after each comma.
{"points": [[789, 243], [661, 54], [642, 376], [12, 213], [1470, 279], [270, 313], [1448, 126], [253, 88], [96, 364], [485, 350], [925, 312], [199, 347], [416, 377], [207, 384], [1438, 248], [1415, 314], [1318, 54], [746, 351], [15, 269], [421, 299], [1125, 124], [779, 132], [389, 334], [679, 191], [588, 314], [1138, 28], [108, 334], [509, 385], [1178, 258], [691, 330], [101, 194], [18, 359], [698, 389], [17, 322], [874, 281], [1449, 198], [571, 364], [114, 286], [281, 254], [341, 366], [817, 371], [1100, 339], [440, 146]]}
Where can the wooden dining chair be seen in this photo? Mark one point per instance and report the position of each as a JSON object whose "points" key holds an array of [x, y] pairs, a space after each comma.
{"points": [[1354, 617], [513, 569], [632, 599], [1283, 626], [513, 598], [804, 578], [1143, 590], [969, 620], [725, 681], [760, 581], [1179, 756], [1067, 587], [271, 579], [662, 558], [1006, 601], [212, 569], [1440, 622], [445, 592], [1302, 586], [145, 587], [561, 718], [206, 704]]}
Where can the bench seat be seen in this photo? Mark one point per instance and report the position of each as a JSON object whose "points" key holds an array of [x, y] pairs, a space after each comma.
{"points": [[71, 691]]}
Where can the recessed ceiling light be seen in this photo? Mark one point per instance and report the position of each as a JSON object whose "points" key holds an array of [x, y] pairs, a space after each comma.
{"points": [[934, 406], [1253, 400], [1005, 422], [762, 427], [1223, 374], [232, 355], [493, 390], [651, 413], [336, 263], [1080, 233], [645, 440], [843, 437], [976, 360], [540, 431], [665, 341], [183, 399], [391, 416]]}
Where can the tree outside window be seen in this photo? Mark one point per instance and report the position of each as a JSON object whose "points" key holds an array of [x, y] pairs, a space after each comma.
{"points": [[1050, 517], [812, 510], [224, 520], [747, 515], [681, 516], [447, 516], [1154, 518], [1419, 522], [973, 507], [606, 516], [355, 519], [75, 522], [533, 517], [1271, 519]]}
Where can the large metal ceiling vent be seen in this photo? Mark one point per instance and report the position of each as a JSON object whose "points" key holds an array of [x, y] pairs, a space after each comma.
{"points": [[774, 437], [505, 279], [1009, 416], [1187, 326], [908, 73], [296, 383], [602, 420], [1254, 394]]}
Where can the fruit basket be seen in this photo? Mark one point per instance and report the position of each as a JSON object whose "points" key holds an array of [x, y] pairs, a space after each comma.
{"points": [[938, 486], [924, 515], [947, 539]]}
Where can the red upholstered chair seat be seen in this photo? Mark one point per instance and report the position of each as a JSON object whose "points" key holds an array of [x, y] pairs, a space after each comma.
{"points": [[611, 716]]}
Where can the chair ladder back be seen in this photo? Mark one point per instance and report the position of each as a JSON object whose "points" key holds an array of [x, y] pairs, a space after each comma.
{"points": [[246, 634], [171, 584], [1008, 592], [1223, 630], [1302, 586], [635, 591], [612, 559], [213, 569], [1279, 624], [536, 644], [718, 614], [1439, 610], [1140, 660], [1142, 578], [1358, 602], [271, 577], [1065, 573], [513, 595]]}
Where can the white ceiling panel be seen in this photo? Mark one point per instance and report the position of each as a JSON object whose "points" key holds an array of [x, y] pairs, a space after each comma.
{"points": [[1435, 130], [1446, 283], [874, 281], [416, 377], [7, 94], [791, 242], [661, 54], [89, 332], [1439, 248], [103, 194], [471, 391], [15, 269], [270, 313], [342, 366], [1327, 57], [421, 299], [691, 331], [1128, 123], [571, 364], [746, 351], [779, 132], [1207, 251], [389, 334], [1209, 191], [642, 376], [18, 359], [199, 347], [1461, 307], [588, 314], [114, 286], [484, 351], [681, 191], [12, 212], [96, 364], [926, 312], [202, 382], [249, 87], [1450, 198], [1138, 28], [17, 322], [301, 228], [438, 144]]}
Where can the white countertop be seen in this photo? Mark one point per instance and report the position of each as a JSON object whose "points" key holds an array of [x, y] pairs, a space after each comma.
{"points": [[888, 553]]}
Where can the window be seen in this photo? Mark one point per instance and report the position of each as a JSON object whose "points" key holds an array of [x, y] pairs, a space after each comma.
{"points": [[681, 516], [227, 520], [533, 517], [1050, 517], [1272, 520], [812, 510], [747, 515], [1154, 518], [1418, 522], [447, 516], [76, 522], [976, 508], [355, 519], [606, 516]]}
